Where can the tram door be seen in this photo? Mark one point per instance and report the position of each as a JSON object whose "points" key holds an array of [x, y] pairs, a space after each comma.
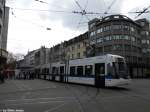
{"points": [[100, 74]]}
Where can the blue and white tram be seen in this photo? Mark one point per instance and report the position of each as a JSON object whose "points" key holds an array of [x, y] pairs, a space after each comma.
{"points": [[57, 70], [107, 70]]}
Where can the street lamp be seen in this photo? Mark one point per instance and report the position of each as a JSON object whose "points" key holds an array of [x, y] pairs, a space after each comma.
{"points": [[48, 28]]}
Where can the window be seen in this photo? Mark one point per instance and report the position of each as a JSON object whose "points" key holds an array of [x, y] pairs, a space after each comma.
{"points": [[78, 46], [132, 29], [72, 70], [148, 41], [106, 28], [72, 48], [79, 70], [99, 69], [115, 27], [117, 47], [144, 41], [107, 18], [54, 70], [88, 69], [99, 40], [126, 27], [92, 33], [145, 33], [62, 70], [84, 53], [78, 55], [126, 37], [125, 17], [133, 39], [91, 25], [107, 38], [72, 56], [116, 37], [99, 30], [142, 23]]}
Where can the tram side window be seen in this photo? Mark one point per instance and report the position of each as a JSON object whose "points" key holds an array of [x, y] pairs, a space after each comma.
{"points": [[62, 70], [54, 70], [80, 70], [72, 70], [88, 70], [46, 70], [102, 68]]}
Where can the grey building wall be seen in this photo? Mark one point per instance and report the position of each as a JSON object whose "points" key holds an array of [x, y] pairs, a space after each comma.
{"points": [[4, 16], [2, 5], [5, 28]]}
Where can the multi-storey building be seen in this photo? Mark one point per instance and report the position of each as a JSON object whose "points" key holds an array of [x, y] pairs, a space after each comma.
{"points": [[41, 56], [57, 53], [76, 47], [118, 34], [71, 49], [4, 15]]}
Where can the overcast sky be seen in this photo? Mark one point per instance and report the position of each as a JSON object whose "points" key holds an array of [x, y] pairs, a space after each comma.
{"points": [[27, 28]]}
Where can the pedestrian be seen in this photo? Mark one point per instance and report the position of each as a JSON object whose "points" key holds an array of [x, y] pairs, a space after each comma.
{"points": [[2, 76]]}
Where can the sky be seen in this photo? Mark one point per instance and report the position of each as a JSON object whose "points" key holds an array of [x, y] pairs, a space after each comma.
{"points": [[29, 20]]}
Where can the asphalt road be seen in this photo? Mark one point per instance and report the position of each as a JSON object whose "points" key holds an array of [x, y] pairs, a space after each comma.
{"points": [[46, 96]]}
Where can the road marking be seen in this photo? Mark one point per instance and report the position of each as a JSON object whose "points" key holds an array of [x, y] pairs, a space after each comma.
{"points": [[34, 103], [55, 108], [38, 99]]}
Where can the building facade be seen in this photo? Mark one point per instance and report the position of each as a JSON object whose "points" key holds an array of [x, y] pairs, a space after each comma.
{"points": [[118, 34], [4, 16], [76, 48]]}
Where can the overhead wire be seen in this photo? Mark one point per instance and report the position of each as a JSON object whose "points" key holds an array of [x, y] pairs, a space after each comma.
{"points": [[28, 21], [41, 10]]}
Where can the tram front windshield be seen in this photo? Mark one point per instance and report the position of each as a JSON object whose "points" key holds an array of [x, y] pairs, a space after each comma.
{"points": [[118, 69]]}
